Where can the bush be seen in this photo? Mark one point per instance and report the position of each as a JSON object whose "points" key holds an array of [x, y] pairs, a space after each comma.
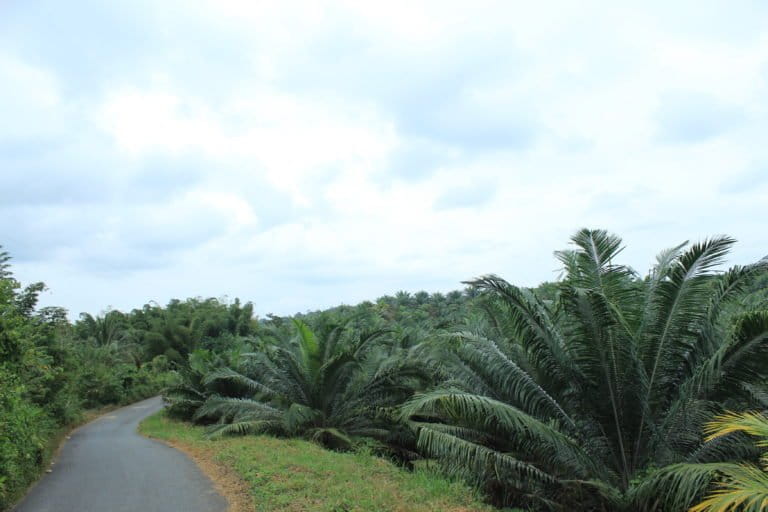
{"points": [[24, 432], [100, 384], [147, 380]]}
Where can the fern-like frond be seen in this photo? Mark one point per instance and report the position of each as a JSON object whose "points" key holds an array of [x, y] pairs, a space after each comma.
{"points": [[229, 375], [533, 326], [482, 460], [225, 407], [674, 487], [518, 387], [752, 423], [743, 488], [488, 415], [243, 428]]}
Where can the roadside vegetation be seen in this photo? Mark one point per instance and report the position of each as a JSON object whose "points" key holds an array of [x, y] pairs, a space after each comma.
{"points": [[53, 371], [606, 390], [297, 475]]}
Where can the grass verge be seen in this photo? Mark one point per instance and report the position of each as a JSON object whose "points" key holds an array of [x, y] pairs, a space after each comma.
{"points": [[267, 474]]}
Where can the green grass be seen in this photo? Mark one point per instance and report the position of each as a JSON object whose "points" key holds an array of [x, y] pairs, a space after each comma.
{"points": [[296, 475]]}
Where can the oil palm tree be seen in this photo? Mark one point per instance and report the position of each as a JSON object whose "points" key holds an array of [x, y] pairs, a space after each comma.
{"points": [[105, 330], [190, 392], [331, 384], [570, 403]]}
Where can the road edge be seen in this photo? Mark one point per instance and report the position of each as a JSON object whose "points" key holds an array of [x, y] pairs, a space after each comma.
{"points": [[57, 442], [231, 486]]}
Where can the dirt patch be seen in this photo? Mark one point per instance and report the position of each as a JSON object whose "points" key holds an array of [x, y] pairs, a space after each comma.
{"points": [[226, 482]]}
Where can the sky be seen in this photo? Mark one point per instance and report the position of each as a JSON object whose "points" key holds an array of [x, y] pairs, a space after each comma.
{"points": [[305, 154]]}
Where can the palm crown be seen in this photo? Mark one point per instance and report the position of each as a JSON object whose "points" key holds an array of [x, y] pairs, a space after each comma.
{"points": [[332, 384]]}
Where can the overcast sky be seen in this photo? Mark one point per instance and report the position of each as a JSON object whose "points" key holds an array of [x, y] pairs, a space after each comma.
{"points": [[302, 156]]}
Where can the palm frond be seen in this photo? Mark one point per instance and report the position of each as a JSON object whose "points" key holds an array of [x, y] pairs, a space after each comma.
{"points": [[488, 415], [742, 488], [242, 428], [518, 387], [310, 348], [229, 375], [752, 423], [679, 301], [482, 459], [674, 487], [226, 407], [534, 328]]}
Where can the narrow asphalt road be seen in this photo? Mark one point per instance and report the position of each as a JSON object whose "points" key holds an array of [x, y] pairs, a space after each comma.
{"points": [[108, 466]]}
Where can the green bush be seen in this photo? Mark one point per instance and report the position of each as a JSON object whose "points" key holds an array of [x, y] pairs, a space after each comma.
{"points": [[99, 385], [147, 380], [24, 432]]}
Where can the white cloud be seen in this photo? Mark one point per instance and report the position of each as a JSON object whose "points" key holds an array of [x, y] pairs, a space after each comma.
{"points": [[291, 140], [304, 154], [29, 99]]}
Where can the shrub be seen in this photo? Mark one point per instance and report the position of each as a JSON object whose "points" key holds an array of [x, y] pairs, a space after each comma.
{"points": [[24, 431]]}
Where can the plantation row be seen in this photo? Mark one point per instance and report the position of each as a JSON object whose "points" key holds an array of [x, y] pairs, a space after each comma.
{"points": [[607, 390]]}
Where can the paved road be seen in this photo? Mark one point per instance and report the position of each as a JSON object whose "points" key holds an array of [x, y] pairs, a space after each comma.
{"points": [[107, 466]]}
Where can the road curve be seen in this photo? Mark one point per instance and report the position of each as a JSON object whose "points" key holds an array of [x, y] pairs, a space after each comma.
{"points": [[108, 466]]}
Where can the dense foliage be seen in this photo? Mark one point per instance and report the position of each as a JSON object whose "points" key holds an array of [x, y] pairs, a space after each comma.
{"points": [[591, 393]]}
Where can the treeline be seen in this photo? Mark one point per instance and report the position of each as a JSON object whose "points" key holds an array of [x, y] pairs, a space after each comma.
{"points": [[591, 393]]}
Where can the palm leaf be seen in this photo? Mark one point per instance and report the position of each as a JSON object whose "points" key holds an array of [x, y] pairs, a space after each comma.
{"points": [[742, 488]]}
